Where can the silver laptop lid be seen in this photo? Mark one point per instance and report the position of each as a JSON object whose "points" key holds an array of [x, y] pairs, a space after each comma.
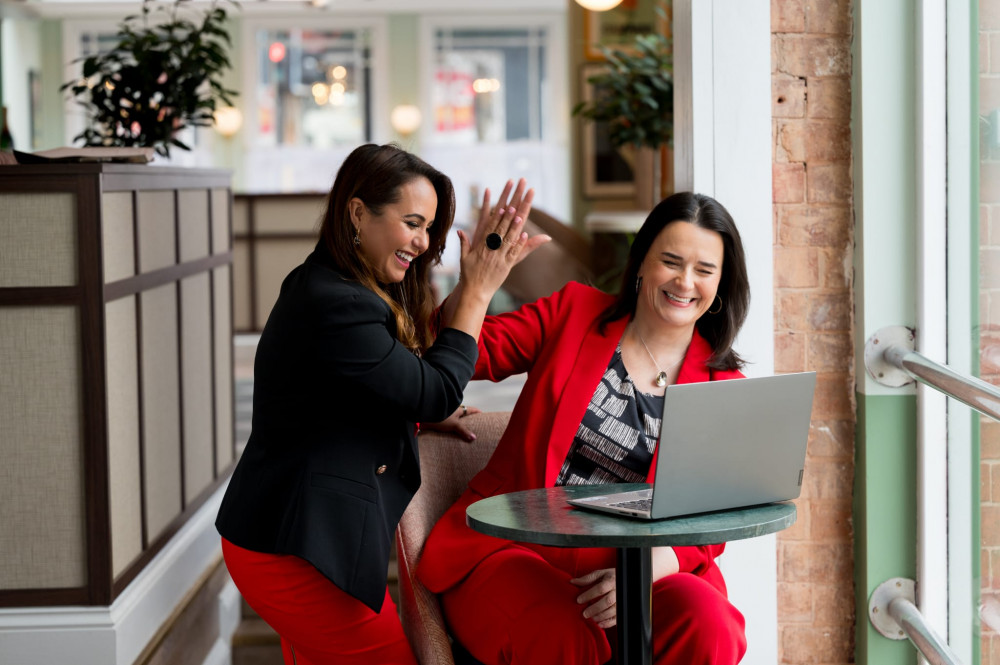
{"points": [[726, 444]]}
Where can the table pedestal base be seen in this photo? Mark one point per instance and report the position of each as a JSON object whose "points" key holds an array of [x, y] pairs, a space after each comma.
{"points": [[634, 586]]}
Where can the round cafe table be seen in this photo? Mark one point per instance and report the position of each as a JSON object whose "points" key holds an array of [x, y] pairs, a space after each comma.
{"points": [[543, 516]]}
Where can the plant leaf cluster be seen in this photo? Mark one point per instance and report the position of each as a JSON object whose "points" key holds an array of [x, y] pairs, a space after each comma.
{"points": [[159, 78], [635, 94]]}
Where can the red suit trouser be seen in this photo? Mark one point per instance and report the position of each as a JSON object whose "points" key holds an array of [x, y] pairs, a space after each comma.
{"points": [[317, 621], [518, 607]]}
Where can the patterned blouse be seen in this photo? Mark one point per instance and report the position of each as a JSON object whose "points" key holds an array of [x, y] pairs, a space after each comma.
{"points": [[619, 432]]}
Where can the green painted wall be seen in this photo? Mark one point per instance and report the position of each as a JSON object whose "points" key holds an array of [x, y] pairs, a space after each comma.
{"points": [[885, 186], [884, 510]]}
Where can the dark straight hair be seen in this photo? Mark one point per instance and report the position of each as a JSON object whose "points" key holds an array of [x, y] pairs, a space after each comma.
{"points": [[375, 174], [719, 330]]}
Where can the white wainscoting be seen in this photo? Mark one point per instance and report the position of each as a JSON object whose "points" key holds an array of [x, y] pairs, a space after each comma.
{"points": [[116, 635]]}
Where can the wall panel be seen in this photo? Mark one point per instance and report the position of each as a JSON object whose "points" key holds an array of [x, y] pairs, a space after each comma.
{"points": [[157, 232], [42, 529], [192, 217], [274, 261], [118, 238], [38, 239], [160, 408], [288, 215], [223, 339], [196, 368], [220, 220], [122, 366]]}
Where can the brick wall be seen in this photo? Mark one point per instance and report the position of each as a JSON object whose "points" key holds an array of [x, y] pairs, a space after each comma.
{"points": [[813, 254], [989, 311]]}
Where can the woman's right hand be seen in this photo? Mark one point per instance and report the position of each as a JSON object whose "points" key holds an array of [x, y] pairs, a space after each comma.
{"points": [[484, 268]]}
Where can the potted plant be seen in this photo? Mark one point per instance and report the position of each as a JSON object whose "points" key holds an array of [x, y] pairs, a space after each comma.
{"points": [[634, 95], [160, 77]]}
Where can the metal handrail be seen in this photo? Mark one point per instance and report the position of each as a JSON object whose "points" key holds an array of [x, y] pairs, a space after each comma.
{"points": [[969, 390], [920, 634], [893, 614]]}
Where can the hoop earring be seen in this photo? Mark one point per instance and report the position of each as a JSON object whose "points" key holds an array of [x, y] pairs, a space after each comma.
{"points": [[638, 283], [719, 298]]}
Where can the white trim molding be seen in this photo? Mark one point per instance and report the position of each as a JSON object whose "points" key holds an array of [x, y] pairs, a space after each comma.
{"points": [[931, 338], [963, 221], [722, 147], [117, 634]]}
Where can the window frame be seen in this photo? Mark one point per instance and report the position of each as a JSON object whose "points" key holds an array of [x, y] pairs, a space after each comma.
{"points": [[379, 85], [555, 61]]}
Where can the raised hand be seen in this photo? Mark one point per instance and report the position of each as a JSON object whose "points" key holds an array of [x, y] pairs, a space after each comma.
{"points": [[498, 242]]}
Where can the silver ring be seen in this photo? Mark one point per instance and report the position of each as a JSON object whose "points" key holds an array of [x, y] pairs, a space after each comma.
{"points": [[465, 410]]}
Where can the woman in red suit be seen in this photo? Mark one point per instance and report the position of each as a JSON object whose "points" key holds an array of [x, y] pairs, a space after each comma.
{"points": [[589, 413]]}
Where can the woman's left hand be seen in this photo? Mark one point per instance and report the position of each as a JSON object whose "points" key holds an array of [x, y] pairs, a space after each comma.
{"points": [[600, 598], [454, 424]]}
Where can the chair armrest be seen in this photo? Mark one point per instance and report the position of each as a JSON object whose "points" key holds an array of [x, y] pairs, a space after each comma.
{"points": [[423, 621]]}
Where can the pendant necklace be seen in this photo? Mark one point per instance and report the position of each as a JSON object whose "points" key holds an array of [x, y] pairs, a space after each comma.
{"points": [[661, 378]]}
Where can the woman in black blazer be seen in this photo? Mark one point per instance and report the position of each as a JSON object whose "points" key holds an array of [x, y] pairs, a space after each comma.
{"points": [[346, 368]]}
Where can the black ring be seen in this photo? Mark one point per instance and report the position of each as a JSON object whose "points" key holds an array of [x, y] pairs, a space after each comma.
{"points": [[494, 241]]}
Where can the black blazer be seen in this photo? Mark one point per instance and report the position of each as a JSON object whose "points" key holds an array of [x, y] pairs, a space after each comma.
{"points": [[332, 458]]}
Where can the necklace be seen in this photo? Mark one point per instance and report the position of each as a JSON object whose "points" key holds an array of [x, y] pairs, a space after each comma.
{"points": [[661, 378]]}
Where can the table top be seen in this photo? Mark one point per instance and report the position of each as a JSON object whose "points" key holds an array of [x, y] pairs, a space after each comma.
{"points": [[542, 516]]}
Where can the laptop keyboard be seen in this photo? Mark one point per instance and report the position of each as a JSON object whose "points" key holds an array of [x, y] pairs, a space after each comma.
{"points": [[637, 504]]}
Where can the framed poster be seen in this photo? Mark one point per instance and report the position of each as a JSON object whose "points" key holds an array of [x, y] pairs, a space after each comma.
{"points": [[617, 27], [607, 171]]}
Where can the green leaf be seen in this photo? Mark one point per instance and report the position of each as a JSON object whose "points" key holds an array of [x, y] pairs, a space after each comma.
{"points": [[156, 70]]}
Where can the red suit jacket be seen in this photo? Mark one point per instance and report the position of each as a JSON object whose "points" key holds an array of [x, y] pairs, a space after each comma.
{"points": [[557, 341]]}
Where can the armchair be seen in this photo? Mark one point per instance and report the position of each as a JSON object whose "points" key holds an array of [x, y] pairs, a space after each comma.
{"points": [[447, 463]]}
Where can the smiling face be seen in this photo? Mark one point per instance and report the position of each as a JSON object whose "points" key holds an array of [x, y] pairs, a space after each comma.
{"points": [[680, 274], [392, 239]]}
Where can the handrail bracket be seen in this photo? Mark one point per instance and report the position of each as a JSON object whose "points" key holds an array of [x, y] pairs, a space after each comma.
{"points": [[893, 614], [891, 339]]}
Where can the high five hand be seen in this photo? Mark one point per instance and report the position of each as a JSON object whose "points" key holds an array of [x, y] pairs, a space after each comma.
{"points": [[499, 241]]}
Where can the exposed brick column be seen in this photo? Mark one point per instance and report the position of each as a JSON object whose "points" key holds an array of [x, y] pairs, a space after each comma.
{"points": [[989, 314], [813, 258]]}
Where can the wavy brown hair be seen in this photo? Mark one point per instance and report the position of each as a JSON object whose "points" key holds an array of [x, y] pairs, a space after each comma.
{"points": [[375, 174], [719, 330]]}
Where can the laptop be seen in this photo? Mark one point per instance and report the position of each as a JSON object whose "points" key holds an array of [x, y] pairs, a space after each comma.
{"points": [[723, 444]]}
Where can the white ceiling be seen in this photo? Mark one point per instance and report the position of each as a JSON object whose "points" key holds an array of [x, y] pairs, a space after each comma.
{"points": [[76, 8]]}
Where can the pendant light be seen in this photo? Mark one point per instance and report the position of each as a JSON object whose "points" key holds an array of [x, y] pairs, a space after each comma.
{"points": [[598, 5]]}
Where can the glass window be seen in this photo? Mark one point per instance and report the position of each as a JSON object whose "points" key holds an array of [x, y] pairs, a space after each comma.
{"points": [[313, 87], [487, 84]]}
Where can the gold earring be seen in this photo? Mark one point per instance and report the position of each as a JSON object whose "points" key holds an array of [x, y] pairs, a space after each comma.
{"points": [[717, 297]]}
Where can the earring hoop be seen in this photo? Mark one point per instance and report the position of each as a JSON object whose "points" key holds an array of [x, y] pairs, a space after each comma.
{"points": [[638, 283], [719, 298]]}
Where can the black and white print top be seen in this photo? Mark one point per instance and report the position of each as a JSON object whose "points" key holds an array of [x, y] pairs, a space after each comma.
{"points": [[616, 440]]}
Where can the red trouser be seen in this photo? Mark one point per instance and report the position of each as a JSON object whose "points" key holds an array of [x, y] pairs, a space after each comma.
{"points": [[318, 622], [518, 607]]}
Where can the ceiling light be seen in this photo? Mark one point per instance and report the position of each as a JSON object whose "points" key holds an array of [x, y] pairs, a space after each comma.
{"points": [[598, 5], [405, 119], [228, 120]]}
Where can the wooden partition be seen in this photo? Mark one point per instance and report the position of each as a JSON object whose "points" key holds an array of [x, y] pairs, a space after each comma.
{"points": [[272, 233], [116, 389]]}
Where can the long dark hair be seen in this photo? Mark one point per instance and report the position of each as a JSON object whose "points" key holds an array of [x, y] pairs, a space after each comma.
{"points": [[719, 330], [375, 174]]}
